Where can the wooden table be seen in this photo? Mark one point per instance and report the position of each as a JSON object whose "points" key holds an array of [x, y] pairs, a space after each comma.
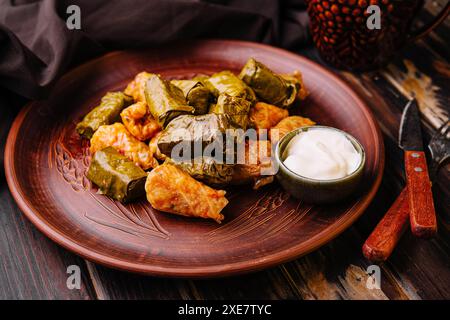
{"points": [[33, 267]]}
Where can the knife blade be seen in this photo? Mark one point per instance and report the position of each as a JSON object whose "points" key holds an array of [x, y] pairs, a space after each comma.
{"points": [[422, 215], [410, 133]]}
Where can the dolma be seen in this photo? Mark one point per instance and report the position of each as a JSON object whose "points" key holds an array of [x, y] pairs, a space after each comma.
{"points": [[265, 116], [139, 121], [227, 82], [117, 136], [196, 93], [268, 86], [116, 175], [172, 190], [136, 88], [165, 101], [258, 168], [206, 169], [288, 124], [193, 131], [106, 113], [154, 147], [237, 109], [296, 79]]}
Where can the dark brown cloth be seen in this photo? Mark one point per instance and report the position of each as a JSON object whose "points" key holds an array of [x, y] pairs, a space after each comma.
{"points": [[36, 47]]}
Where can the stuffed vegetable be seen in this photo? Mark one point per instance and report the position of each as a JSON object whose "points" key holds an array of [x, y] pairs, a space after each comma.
{"points": [[268, 86], [207, 170], [193, 136], [227, 82], [196, 93], [296, 79], [288, 124], [172, 190], [136, 88], [139, 121], [154, 147], [258, 167], [165, 101], [192, 131], [265, 116], [117, 136], [116, 175], [236, 108], [106, 113]]}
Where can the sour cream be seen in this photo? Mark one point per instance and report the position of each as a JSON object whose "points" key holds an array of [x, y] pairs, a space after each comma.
{"points": [[322, 154]]}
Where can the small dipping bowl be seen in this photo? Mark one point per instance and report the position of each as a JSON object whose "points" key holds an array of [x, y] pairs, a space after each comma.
{"points": [[317, 191]]}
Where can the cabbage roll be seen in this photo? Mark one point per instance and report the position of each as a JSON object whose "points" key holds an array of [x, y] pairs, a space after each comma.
{"points": [[117, 136], [288, 124], [237, 109], [165, 101], [227, 82], [265, 116], [190, 130], [172, 190], [207, 170], [106, 113], [139, 121], [136, 88], [268, 86], [196, 93], [116, 176]]}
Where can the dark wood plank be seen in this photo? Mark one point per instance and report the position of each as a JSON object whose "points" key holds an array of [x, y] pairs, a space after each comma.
{"points": [[422, 267], [31, 266]]}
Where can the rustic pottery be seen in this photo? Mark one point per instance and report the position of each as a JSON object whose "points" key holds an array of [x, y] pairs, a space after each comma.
{"points": [[46, 161]]}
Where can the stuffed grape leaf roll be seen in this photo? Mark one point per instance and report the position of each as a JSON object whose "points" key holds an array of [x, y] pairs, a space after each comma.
{"points": [[207, 170], [296, 79], [268, 86], [165, 101], [258, 166], [172, 190], [154, 147], [196, 93], [106, 113], [116, 175], [117, 136], [194, 133], [227, 82], [236, 108]]}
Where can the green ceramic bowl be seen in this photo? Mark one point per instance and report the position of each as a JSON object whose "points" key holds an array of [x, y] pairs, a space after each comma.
{"points": [[313, 190]]}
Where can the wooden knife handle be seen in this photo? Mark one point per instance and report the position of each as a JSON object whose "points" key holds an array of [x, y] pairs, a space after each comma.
{"points": [[422, 215], [383, 239]]}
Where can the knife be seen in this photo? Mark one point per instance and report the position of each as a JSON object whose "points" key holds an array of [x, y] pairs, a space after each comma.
{"points": [[383, 239], [422, 215]]}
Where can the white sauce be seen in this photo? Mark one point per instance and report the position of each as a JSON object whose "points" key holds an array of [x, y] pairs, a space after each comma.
{"points": [[322, 154]]}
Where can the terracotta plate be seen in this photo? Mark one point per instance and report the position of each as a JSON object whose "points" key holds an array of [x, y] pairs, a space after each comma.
{"points": [[46, 161]]}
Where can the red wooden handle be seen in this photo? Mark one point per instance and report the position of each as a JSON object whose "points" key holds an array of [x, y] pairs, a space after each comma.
{"points": [[422, 215], [383, 239]]}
